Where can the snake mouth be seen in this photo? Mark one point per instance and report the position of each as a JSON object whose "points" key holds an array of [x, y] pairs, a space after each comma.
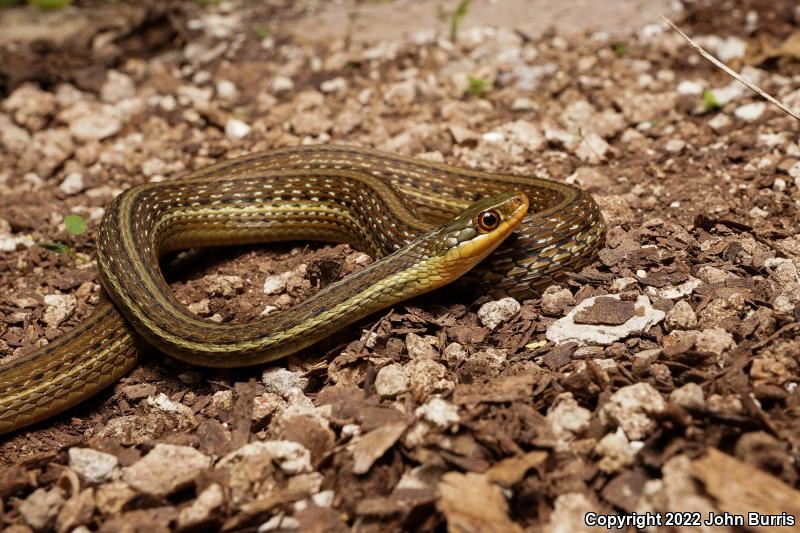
{"points": [[513, 210], [517, 202], [518, 205]]}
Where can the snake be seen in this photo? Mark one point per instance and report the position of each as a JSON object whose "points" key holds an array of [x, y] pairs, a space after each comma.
{"points": [[427, 223]]}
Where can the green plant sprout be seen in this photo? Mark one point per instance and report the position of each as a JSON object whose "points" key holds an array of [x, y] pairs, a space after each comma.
{"points": [[709, 102], [261, 31], [456, 17], [50, 4], [75, 226], [477, 86]]}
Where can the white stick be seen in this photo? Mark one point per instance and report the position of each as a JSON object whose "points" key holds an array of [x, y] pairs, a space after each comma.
{"points": [[747, 83]]}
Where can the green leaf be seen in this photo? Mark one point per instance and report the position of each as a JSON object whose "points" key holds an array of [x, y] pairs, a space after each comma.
{"points": [[709, 102], [477, 86], [75, 225], [56, 247], [619, 48], [50, 4], [458, 17], [261, 32]]}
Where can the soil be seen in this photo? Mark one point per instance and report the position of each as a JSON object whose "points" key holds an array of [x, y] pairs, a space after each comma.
{"points": [[451, 409]]}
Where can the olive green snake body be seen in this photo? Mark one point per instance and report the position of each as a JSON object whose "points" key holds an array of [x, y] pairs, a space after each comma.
{"points": [[400, 209]]}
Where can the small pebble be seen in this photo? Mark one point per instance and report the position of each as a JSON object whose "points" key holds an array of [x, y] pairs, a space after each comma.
{"points": [[689, 396], [167, 469], [567, 419], [629, 408], [421, 347], [720, 122], [92, 465], [615, 451], [555, 300], [714, 341], [226, 90], [439, 412], [236, 129], [750, 112], [494, 313], [283, 382], [681, 316], [72, 184], [391, 380], [675, 146]]}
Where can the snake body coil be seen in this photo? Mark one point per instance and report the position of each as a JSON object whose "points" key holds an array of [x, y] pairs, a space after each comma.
{"points": [[381, 203]]}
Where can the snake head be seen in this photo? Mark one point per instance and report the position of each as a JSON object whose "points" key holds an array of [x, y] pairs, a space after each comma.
{"points": [[483, 226]]}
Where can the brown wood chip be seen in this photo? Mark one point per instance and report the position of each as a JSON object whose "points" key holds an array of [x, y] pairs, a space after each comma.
{"points": [[471, 503], [606, 311], [742, 489], [511, 470]]}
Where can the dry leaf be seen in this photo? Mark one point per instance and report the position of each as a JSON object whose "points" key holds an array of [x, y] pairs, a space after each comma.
{"points": [[471, 504], [511, 470], [370, 447], [740, 489]]}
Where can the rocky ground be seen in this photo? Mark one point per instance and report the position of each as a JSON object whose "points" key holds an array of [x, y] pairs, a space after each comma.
{"points": [[663, 378]]}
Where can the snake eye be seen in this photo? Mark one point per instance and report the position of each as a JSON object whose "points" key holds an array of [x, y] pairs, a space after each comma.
{"points": [[489, 220]]}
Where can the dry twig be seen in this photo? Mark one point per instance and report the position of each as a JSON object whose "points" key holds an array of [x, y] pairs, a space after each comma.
{"points": [[738, 77]]}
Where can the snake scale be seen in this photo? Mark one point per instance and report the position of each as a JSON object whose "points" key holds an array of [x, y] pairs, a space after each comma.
{"points": [[429, 223]]}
